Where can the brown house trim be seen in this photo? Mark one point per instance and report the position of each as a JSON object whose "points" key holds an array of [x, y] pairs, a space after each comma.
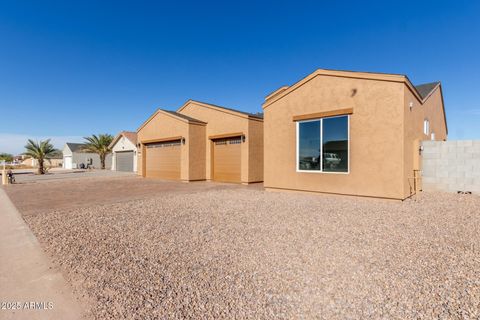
{"points": [[162, 140], [325, 114], [226, 135]]}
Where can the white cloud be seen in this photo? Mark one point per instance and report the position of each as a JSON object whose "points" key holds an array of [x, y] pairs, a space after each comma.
{"points": [[14, 143]]}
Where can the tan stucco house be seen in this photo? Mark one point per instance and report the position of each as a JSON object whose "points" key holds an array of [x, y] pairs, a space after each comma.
{"points": [[202, 141], [352, 133]]}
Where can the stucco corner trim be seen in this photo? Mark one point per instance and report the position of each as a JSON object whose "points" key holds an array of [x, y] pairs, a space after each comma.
{"points": [[276, 92], [317, 115]]}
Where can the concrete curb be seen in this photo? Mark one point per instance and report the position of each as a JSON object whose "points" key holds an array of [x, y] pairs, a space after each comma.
{"points": [[26, 274]]}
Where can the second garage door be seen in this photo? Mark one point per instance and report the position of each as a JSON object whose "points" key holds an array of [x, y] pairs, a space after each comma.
{"points": [[163, 160], [227, 159], [124, 161]]}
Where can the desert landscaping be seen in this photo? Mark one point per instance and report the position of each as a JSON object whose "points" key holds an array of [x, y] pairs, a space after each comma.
{"points": [[141, 249]]}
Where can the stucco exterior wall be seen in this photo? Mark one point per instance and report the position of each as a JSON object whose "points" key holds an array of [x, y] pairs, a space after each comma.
{"points": [[162, 126], [431, 109], [123, 144], [255, 151], [220, 122], [376, 136], [66, 151], [82, 157], [197, 152]]}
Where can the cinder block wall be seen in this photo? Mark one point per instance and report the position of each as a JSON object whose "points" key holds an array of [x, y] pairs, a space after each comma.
{"points": [[451, 166]]}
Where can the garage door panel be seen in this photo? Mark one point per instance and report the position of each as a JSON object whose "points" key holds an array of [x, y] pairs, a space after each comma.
{"points": [[163, 160], [227, 160], [124, 161]]}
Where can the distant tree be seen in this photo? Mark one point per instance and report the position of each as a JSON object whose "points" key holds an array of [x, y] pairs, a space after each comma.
{"points": [[6, 156], [40, 151], [100, 145]]}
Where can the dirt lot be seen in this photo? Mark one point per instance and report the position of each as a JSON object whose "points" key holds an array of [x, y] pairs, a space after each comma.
{"points": [[143, 249]]}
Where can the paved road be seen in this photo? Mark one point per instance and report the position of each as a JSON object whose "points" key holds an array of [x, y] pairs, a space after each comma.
{"points": [[26, 274]]}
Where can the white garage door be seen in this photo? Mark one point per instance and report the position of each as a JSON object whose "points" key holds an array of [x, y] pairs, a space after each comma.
{"points": [[67, 162], [124, 161]]}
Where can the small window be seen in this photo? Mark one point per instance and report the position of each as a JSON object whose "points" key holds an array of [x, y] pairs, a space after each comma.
{"points": [[426, 127], [432, 136], [322, 145], [335, 144], [309, 145]]}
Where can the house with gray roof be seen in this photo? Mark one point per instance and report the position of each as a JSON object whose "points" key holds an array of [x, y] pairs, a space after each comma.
{"points": [[74, 155]]}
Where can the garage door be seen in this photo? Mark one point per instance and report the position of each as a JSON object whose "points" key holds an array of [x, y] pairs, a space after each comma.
{"points": [[163, 160], [124, 161], [67, 162], [227, 159]]}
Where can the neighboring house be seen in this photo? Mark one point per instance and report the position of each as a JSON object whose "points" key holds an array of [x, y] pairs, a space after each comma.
{"points": [[202, 141], [73, 156], [54, 161], [29, 162], [351, 133], [19, 159], [124, 150]]}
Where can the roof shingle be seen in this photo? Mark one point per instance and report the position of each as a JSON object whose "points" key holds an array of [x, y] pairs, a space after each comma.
{"points": [[425, 89], [75, 147]]}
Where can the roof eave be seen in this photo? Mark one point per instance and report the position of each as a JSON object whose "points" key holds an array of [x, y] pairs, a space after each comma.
{"points": [[230, 111], [276, 95]]}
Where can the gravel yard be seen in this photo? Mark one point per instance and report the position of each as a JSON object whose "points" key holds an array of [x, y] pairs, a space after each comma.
{"points": [[238, 252]]}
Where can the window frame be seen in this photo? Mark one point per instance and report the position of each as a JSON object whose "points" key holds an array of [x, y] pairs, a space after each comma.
{"points": [[426, 127], [297, 149]]}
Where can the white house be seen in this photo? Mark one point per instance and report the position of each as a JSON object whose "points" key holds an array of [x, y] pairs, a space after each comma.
{"points": [[74, 156], [124, 149]]}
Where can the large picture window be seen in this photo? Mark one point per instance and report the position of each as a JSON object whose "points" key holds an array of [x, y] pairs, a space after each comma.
{"points": [[322, 145]]}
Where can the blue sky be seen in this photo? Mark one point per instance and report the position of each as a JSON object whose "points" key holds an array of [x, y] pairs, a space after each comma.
{"points": [[72, 68]]}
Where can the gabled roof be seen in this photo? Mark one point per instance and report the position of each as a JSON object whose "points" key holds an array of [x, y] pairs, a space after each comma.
{"points": [[285, 90], [421, 92], [426, 89], [173, 114], [258, 115], [75, 147], [131, 136]]}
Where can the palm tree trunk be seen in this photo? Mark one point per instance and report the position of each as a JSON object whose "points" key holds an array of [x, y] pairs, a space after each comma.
{"points": [[40, 166], [102, 161]]}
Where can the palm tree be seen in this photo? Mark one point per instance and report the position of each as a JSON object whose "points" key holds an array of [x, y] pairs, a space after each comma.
{"points": [[6, 156], [40, 151], [100, 145]]}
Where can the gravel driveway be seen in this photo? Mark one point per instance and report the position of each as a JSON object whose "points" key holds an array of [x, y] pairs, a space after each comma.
{"points": [[240, 252]]}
